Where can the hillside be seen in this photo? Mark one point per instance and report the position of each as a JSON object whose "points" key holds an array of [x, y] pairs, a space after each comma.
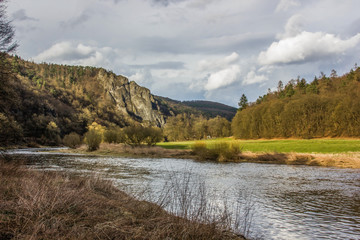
{"points": [[325, 107], [207, 109], [212, 109], [41, 103], [49, 99]]}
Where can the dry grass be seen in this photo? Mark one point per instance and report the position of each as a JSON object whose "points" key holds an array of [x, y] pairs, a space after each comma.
{"points": [[48, 205], [340, 160], [140, 151]]}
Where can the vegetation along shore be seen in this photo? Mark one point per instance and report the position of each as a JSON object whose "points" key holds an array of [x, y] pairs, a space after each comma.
{"points": [[342, 153], [56, 205]]}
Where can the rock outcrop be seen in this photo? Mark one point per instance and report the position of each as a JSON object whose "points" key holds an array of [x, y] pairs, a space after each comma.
{"points": [[132, 100]]}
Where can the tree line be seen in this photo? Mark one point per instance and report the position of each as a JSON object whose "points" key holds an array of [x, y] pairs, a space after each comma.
{"points": [[325, 107], [191, 127]]}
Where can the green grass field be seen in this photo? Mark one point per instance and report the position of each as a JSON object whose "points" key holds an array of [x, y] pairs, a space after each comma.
{"points": [[282, 146]]}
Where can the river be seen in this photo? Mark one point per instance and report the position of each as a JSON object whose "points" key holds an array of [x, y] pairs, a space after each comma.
{"points": [[280, 201]]}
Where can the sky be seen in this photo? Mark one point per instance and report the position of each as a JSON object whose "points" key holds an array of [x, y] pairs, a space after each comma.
{"points": [[215, 50]]}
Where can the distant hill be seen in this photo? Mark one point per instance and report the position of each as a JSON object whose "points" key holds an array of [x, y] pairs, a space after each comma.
{"points": [[212, 109], [208, 109]]}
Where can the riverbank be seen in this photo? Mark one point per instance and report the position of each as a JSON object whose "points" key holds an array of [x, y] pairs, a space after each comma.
{"points": [[50, 205], [340, 160], [320, 145]]}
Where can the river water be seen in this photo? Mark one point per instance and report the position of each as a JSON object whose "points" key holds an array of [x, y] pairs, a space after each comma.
{"points": [[282, 201]]}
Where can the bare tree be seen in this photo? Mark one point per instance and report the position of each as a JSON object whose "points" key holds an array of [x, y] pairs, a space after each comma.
{"points": [[7, 33]]}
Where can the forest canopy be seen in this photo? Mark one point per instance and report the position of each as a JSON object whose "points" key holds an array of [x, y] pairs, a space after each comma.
{"points": [[325, 107]]}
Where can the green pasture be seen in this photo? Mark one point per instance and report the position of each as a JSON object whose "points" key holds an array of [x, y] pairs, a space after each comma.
{"points": [[281, 146]]}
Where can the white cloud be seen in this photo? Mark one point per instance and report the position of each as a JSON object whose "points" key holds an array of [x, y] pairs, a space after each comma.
{"points": [[293, 27], [142, 35], [142, 77], [78, 54], [252, 78], [285, 5], [306, 46], [223, 78], [65, 51], [211, 65]]}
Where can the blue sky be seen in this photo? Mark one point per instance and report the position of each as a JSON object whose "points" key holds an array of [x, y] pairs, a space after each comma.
{"points": [[194, 49]]}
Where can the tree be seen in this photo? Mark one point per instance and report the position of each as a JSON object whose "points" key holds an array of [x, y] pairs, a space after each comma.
{"points": [[72, 140], [7, 33], [7, 45], [93, 139], [152, 135], [280, 86], [135, 135], [243, 102]]}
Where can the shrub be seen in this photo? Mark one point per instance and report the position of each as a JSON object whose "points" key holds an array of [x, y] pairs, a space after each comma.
{"points": [[136, 135], [218, 151], [200, 149], [152, 136], [226, 151], [51, 136], [10, 130], [72, 140], [114, 136], [93, 139]]}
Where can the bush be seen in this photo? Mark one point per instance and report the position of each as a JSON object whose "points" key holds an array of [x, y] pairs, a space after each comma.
{"points": [[51, 136], [114, 136], [136, 135], [153, 136], [72, 140], [218, 151], [93, 139], [200, 149], [226, 151], [10, 130]]}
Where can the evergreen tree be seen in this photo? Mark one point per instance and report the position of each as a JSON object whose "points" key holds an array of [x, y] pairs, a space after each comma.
{"points": [[243, 102]]}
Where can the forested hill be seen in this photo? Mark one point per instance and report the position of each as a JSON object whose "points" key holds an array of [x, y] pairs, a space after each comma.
{"points": [[207, 109], [212, 109], [325, 107], [43, 102]]}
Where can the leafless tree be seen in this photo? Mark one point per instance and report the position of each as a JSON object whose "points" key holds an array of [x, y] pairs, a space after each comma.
{"points": [[7, 33]]}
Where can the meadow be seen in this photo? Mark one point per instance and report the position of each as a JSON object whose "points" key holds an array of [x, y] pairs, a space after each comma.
{"points": [[280, 146]]}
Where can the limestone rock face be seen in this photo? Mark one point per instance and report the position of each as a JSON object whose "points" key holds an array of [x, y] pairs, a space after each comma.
{"points": [[132, 100]]}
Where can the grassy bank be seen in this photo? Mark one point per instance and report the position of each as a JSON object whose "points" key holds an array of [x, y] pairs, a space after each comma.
{"points": [[48, 205], [282, 146], [344, 153], [186, 150]]}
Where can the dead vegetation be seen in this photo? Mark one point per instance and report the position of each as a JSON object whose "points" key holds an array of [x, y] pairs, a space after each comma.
{"points": [[48, 205], [139, 151], [340, 160]]}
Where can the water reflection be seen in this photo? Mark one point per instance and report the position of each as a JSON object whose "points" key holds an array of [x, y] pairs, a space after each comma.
{"points": [[291, 202]]}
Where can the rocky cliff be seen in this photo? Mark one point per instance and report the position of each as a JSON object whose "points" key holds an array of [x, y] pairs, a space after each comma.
{"points": [[133, 100]]}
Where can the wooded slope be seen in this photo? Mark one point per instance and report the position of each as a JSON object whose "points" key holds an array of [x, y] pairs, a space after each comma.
{"points": [[326, 107]]}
